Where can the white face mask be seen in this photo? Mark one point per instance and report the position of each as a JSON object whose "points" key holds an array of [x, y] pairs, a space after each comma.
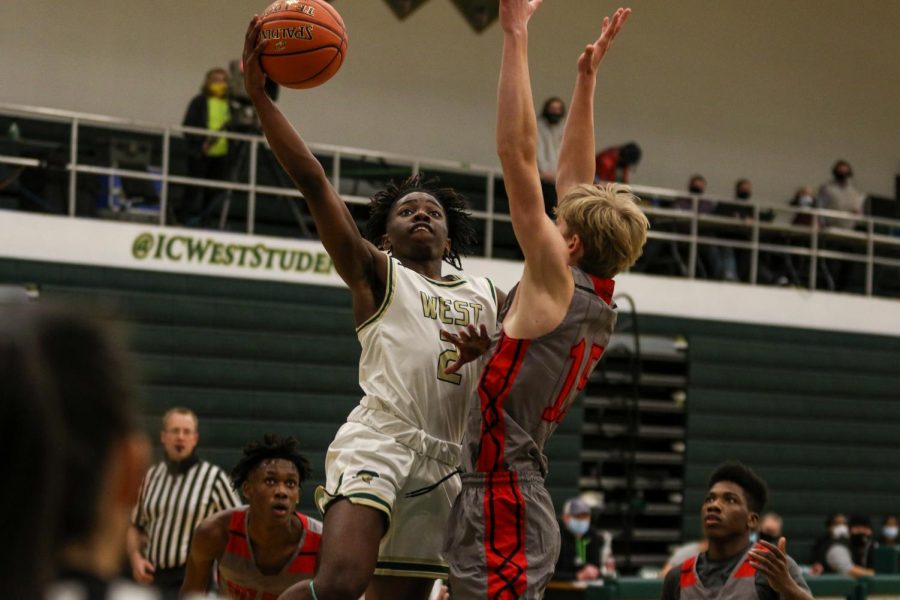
{"points": [[578, 526], [889, 531], [840, 531]]}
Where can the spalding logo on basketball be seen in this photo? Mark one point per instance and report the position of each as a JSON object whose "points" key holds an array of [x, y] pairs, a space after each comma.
{"points": [[305, 42]]}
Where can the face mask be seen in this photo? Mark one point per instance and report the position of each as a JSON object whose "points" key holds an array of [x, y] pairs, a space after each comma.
{"points": [[840, 531], [743, 195], [578, 526], [696, 189], [218, 89], [841, 176], [767, 537], [553, 118], [805, 201], [859, 539], [889, 531]]}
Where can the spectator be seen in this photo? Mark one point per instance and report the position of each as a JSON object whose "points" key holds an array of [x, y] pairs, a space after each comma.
{"points": [[615, 163], [770, 527], [852, 556], [76, 365], [889, 532], [722, 261], [284, 542], [164, 517], [835, 529], [580, 547], [696, 187], [207, 154], [804, 197], [840, 194], [550, 127], [732, 566]]}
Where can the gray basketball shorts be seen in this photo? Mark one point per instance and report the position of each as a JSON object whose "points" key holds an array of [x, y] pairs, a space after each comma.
{"points": [[502, 538]]}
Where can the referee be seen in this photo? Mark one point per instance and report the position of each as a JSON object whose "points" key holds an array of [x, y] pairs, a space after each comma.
{"points": [[176, 495]]}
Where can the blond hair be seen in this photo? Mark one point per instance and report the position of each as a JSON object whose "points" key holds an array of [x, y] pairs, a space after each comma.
{"points": [[180, 410], [609, 222]]}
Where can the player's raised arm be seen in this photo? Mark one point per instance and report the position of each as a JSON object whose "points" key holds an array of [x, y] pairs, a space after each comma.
{"points": [[517, 142], [355, 259], [576, 155]]}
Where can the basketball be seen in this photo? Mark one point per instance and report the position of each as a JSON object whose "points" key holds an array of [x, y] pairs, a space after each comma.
{"points": [[306, 42]]}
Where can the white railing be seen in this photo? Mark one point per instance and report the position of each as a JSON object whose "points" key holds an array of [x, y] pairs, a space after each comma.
{"points": [[874, 242]]}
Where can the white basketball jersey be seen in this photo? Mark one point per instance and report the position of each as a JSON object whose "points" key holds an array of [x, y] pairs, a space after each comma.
{"points": [[403, 360]]}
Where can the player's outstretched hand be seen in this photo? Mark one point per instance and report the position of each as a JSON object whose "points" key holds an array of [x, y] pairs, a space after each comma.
{"points": [[471, 343], [514, 14], [771, 561], [594, 53], [254, 77]]}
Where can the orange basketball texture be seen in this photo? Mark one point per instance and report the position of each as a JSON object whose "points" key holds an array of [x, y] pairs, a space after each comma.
{"points": [[305, 42]]}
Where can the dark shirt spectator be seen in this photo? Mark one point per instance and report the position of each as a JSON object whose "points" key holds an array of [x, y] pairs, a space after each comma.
{"points": [[580, 545], [852, 556], [615, 163]]}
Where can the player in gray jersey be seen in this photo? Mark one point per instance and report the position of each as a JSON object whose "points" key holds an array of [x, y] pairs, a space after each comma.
{"points": [[503, 538]]}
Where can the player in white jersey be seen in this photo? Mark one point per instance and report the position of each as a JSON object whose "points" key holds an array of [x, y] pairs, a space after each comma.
{"points": [[390, 471]]}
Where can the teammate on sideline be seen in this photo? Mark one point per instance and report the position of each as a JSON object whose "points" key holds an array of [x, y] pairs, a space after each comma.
{"points": [[390, 470], [264, 548], [502, 538], [733, 566]]}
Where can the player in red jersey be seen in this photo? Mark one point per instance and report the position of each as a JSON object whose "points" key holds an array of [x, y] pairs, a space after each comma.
{"points": [[502, 538], [264, 548]]}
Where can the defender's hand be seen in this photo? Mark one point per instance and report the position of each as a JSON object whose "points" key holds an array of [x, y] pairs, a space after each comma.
{"points": [[471, 343], [772, 562], [594, 53]]}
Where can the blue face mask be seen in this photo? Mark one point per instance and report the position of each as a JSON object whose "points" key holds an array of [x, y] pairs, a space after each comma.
{"points": [[578, 526], [889, 531]]}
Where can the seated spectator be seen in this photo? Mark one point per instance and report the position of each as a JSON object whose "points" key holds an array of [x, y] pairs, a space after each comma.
{"points": [[732, 566], [580, 545], [696, 187], [615, 163], [550, 125], [852, 556], [889, 532], [262, 549], [835, 529], [724, 259], [804, 197], [770, 527], [840, 194]]}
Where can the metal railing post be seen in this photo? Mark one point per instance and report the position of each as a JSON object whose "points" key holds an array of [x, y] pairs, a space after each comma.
{"points": [[73, 166], [870, 257], [814, 252], [695, 229], [489, 221], [251, 195], [754, 253], [164, 183]]}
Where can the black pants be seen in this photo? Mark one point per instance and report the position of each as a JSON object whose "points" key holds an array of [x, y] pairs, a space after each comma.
{"points": [[198, 202], [168, 582]]}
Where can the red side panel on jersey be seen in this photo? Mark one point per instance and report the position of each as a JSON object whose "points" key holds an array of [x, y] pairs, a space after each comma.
{"points": [[305, 561], [688, 577], [604, 288], [237, 535], [496, 382]]}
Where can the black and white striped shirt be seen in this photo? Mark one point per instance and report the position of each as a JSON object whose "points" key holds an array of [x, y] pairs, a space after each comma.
{"points": [[172, 505]]}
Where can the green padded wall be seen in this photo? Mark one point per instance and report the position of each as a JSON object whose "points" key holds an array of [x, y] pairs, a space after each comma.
{"points": [[815, 413]]}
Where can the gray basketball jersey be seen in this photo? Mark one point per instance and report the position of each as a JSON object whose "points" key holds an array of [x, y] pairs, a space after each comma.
{"points": [[527, 386]]}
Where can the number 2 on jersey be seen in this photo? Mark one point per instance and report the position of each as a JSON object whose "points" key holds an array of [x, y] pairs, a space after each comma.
{"points": [[445, 359]]}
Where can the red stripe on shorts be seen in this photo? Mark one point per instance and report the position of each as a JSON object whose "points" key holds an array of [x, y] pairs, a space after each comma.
{"points": [[504, 537]]}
